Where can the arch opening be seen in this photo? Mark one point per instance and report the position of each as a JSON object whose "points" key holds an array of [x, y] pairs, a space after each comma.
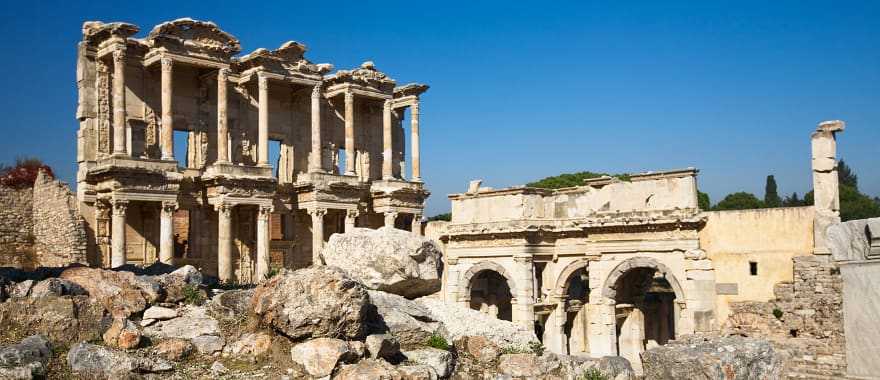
{"points": [[577, 292], [490, 294]]}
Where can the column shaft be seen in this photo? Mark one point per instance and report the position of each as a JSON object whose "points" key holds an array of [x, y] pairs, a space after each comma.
{"points": [[414, 127], [262, 269], [350, 220], [387, 144], [222, 120], [390, 218], [117, 235], [166, 232], [119, 122], [224, 242], [525, 295], [263, 133], [349, 134], [317, 162], [417, 224], [167, 132], [317, 235]]}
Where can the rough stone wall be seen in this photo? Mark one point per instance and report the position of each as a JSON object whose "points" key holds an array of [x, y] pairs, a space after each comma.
{"points": [[16, 227], [59, 230], [805, 319]]}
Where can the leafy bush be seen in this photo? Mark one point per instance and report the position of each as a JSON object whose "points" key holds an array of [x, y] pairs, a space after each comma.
{"points": [[571, 180], [536, 347], [594, 374], [515, 350], [446, 216], [193, 295], [437, 341], [272, 272], [24, 173], [777, 313]]}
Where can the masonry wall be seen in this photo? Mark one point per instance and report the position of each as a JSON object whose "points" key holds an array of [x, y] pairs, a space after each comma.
{"points": [[16, 227], [59, 230]]}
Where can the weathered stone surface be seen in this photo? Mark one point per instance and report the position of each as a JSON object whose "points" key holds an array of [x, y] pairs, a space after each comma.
{"points": [[417, 372], [720, 358], [524, 365], [175, 283], [232, 302], [159, 313], [193, 321], [250, 344], [406, 320], [122, 293], [21, 289], [64, 320], [313, 302], [173, 349], [320, 356], [47, 287], [103, 363], [123, 334], [208, 344], [382, 346], [26, 359], [478, 347], [502, 333], [441, 361], [369, 369], [387, 259]]}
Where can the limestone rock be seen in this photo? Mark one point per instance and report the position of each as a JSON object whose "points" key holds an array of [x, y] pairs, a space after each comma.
{"points": [[250, 344], [406, 320], [104, 363], [218, 368], [478, 347], [21, 289], [313, 302], [64, 320], [173, 349], [231, 302], [175, 283], [122, 334], [417, 372], [26, 359], [320, 356], [441, 361], [159, 313], [382, 346], [387, 259], [374, 369], [499, 332], [122, 293], [194, 321], [208, 344], [47, 287], [719, 358]]}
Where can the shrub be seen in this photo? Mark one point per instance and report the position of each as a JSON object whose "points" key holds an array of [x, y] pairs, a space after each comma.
{"points": [[193, 295], [537, 347], [437, 341], [24, 173], [593, 374], [777, 313], [515, 350]]}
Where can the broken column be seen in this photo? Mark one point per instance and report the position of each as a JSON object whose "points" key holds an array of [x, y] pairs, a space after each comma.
{"points": [[826, 192]]}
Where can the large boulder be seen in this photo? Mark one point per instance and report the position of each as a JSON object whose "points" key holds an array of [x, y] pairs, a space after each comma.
{"points": [[320, 356], [175, 284], [369, 369], [441, 361], [25, 360], [387, 259], [406, 320], [313, 302], [89, 360], [716, 358], [193, 321], [460, 321], [64, 320], [231, 303], [122, 293]]}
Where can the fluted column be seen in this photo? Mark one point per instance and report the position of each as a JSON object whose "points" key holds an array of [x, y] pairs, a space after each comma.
{"points": [[117, 235], [317, 234], [166, 135], [349, 133], [263, 243], [316, 165], [263, 133], [414, 130], [417, 224], [166, 232], [222, 119], [119, 102], [350, 219], [387, 144], [390, 218], [224, 242]]}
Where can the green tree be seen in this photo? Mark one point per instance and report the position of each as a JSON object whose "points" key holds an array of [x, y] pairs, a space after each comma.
{"points": [[771, 196], [445, 216], [703, 201], [570, 180], [739, 201], [855, 205], [793, 201], [846, 176]]}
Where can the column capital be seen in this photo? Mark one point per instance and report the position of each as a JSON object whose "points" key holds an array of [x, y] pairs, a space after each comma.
{"points": [[349, 97], [317, 212], [317, 89], [224, 209], [387, 105], [262, 81], [352, 213], [167, 63], [390, 213], [223, 74], [119, 55], [119, 206], [522, 259], [265, 211], [169, 206]]}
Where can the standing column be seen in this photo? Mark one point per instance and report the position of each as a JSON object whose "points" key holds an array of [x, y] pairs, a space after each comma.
{"points": [[349, 133], [417, 224], [350, 219], [167, 138], [263, 135], [166, 232], [317, 163], [317, 234], [224, 242], [826, 191], [414, 130], [117, 235], [119, 101], [263, 243], [525, 294], [390, 218], [222, 126], [387, 145]]}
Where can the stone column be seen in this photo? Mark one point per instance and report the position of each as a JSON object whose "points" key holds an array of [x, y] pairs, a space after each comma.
{"points": [[554, 333], [417, 224], [826, 191], [263, 133], [387, 144], [317, 234], [525, 298], [166, 232], [119, 121], [117, 235], [349, 133], [316, 165], [222, 120], [262, 269], [350, 219], [390, 218], [224, 241], [167, 132], [414, 130], [632, 337]]}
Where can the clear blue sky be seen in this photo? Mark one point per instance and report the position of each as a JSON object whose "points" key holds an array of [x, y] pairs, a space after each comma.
{"points": [[523, 90]]}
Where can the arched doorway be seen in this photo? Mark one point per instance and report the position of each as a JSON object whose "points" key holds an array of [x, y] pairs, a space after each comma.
{"points": [[491, 295], [576, 312]]}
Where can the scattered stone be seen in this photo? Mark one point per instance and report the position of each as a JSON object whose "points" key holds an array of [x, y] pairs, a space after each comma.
{"points": [[47, 287], [441, 361], [193, 321], [64, 320], [320, 356], [147, 322], [26, 359], [232, 303], [368, 369], [176, 282], [174, 349], [406, 320], [160, 313], [719, 358], [120, 292], [100, 362], [313, 302], [123, 334], [251, 344], [417, 372], [478, 347], [218, 368], [208, 344], [523, 365], [21, 289], [499, 332], [382, 346], [387, 259]]}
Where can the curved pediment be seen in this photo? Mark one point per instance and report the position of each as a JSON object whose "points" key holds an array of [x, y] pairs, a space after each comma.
{"points": [[192, 35], [287, 59], [366, 75], [95, 32]]}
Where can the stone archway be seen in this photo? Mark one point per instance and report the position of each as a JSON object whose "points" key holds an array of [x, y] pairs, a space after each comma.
{"points": [[489, 288], [571, 316]]}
